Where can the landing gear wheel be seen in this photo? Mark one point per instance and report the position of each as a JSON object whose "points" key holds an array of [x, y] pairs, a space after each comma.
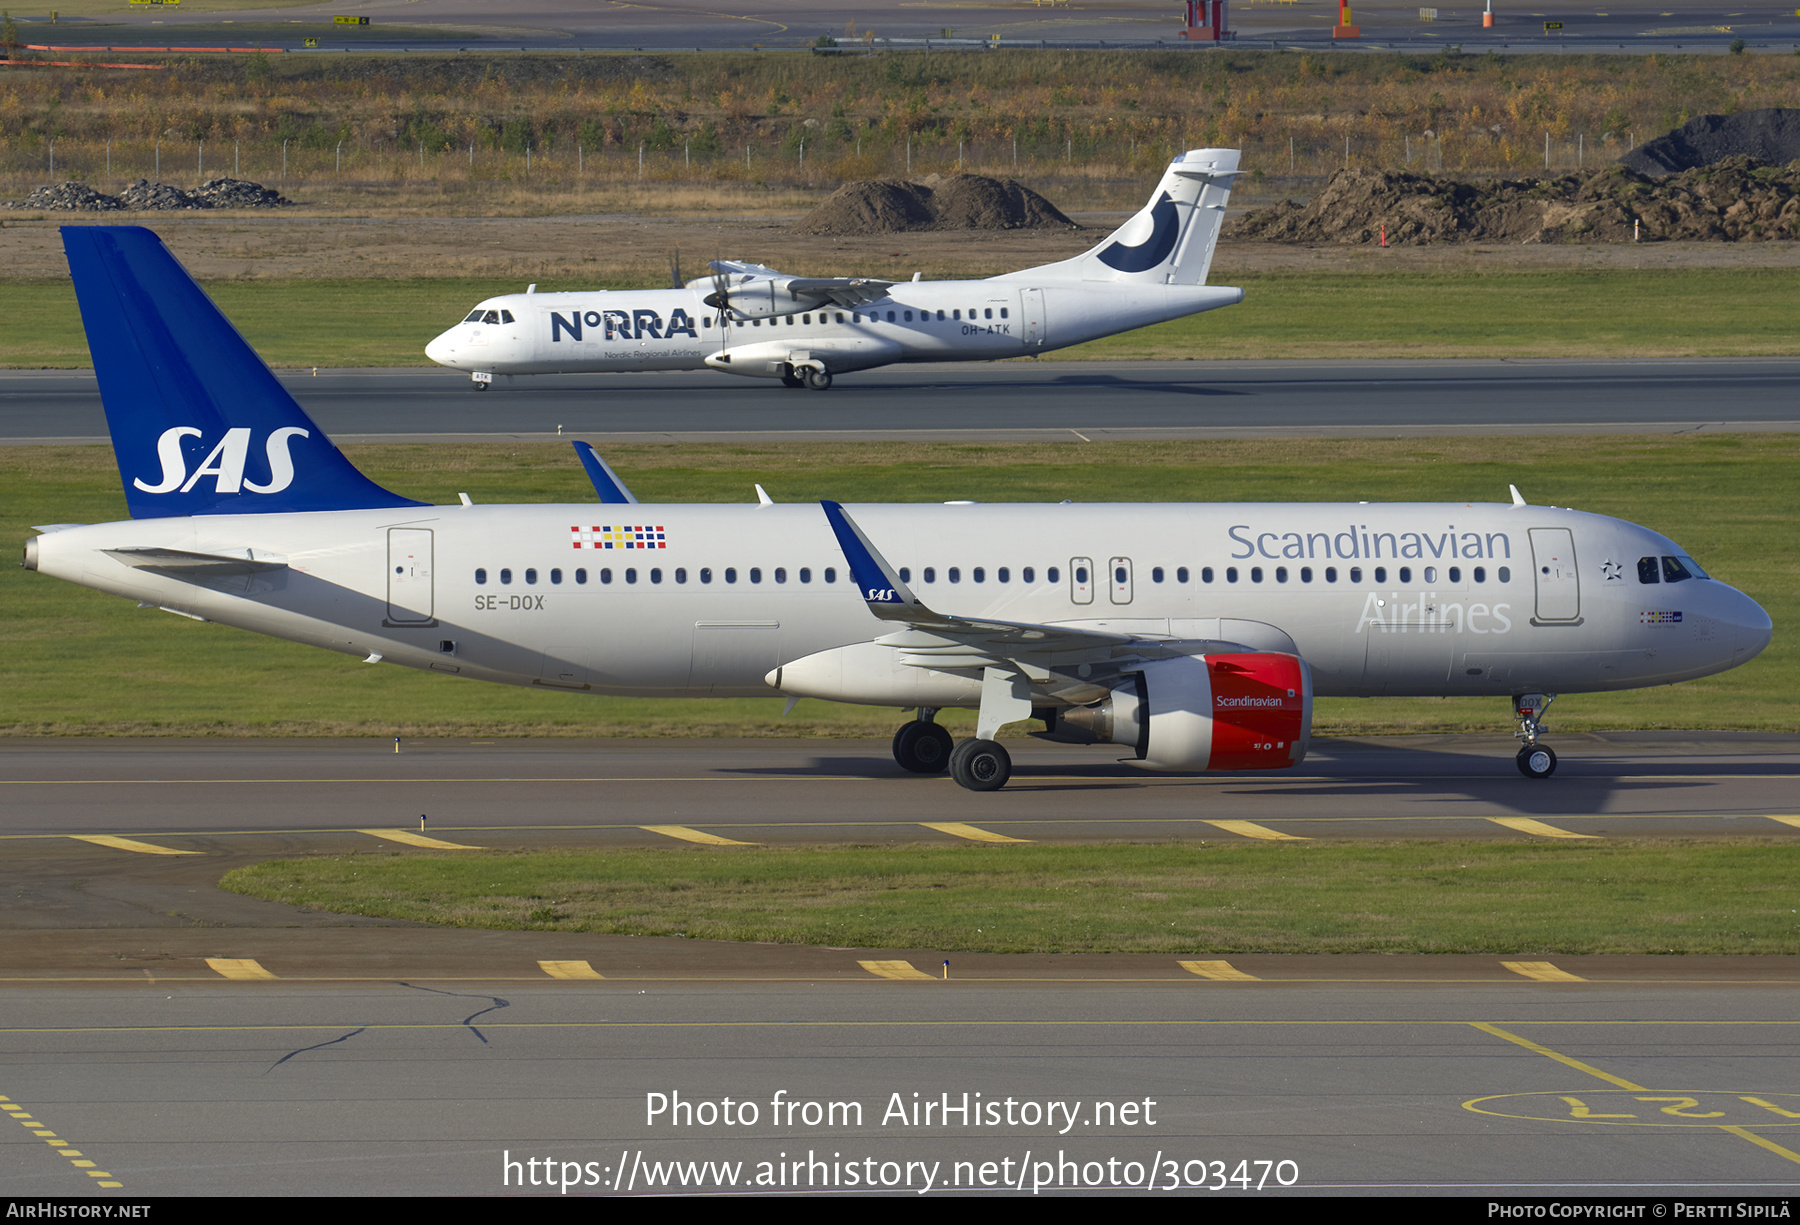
{"points": [[1537, 761], [479, 386], [980, 765], [923, 748], [790, 379], [819, 380]]}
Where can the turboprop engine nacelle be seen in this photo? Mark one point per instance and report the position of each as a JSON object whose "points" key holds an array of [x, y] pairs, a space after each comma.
{"points": [[1249, 711]]}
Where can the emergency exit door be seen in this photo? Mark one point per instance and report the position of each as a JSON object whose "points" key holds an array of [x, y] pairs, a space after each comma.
{"points": [[409, 576]]}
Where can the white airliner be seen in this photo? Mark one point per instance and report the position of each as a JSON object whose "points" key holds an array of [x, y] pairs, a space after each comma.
{"points": [[750, 320], [1194, 637]]}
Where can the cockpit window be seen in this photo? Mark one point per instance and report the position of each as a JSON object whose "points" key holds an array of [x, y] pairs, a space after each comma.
{"points": [[506, 317], [1647, 570], [491, 317], [474, 317], [1673, 571]]}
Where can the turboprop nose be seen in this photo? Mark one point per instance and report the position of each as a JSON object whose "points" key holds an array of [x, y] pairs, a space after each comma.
{"points": [[443, 349]]}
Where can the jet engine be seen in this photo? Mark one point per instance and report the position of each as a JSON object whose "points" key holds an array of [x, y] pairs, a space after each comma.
{"points": [[1250, 711]]}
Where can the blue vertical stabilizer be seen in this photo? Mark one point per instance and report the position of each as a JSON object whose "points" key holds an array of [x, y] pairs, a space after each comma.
{"points": [[200, 424]]}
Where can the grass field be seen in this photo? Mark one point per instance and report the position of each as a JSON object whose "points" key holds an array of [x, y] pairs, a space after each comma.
{"points": [[1690, 312], [76, 662], [1633, 896]]}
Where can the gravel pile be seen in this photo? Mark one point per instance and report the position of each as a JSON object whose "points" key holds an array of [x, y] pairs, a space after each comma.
{"points": [[1733, 200], [936, 202], [1771, 136], [144, 196]]}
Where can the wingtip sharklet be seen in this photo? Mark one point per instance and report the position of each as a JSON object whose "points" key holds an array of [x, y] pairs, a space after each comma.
{"points": [[881, 587]]}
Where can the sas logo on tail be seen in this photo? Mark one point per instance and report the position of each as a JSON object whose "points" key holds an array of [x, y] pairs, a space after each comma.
{"points": [[224, 463]]}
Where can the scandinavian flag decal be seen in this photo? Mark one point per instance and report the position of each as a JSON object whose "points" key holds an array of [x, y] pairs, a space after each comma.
{"points": [[635, 536]]}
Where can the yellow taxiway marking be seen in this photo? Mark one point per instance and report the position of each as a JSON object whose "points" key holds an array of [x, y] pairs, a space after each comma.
{"points": [[59, 1146], [1621, 1082], [1793, 821], [896, 969], [958, 829], [1526, 825], [1218, 971], [1542, 972], [693, 835], [244, 969], [1251, 829], [129, 844], [569, 969], [411, 839]]}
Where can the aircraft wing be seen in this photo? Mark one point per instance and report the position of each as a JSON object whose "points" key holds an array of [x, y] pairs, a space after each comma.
{"points": [[933, 639], [746, 281]]}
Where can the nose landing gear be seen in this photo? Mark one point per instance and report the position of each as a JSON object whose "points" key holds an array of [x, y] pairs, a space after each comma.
{"points": [[1534, 760]]}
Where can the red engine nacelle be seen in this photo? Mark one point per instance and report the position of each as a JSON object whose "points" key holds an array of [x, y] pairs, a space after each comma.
{"points": [[1246, 711]]}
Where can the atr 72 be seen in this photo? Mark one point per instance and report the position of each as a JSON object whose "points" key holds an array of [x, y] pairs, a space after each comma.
{"points": [[1191, 636], [750, 320]]}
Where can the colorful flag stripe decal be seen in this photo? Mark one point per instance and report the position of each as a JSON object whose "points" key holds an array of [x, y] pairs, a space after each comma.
{"points": [[608, 537]]}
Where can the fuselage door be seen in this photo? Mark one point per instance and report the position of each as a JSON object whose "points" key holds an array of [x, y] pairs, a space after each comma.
{"points": [[1558, 586], [1081, 580], [1119, 571], [409, 575], [1032, 316]]}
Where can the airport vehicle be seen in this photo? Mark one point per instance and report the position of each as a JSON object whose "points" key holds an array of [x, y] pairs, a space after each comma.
{"points": [[1192, 636], [750, 320]]}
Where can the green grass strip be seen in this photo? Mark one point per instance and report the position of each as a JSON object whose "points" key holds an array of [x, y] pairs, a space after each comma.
{"points": [[1612, 312], [1629, 896]]}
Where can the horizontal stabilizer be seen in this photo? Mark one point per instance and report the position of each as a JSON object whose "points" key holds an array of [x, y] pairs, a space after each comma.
{"points": [[179, 562]]}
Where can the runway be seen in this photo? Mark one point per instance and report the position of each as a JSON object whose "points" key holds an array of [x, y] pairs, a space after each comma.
{"points": [[1197, 1088], [1007, 401]]}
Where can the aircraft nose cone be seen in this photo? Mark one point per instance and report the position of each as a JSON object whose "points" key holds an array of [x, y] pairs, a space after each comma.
{"points": [[442, 350], [1751, 627]]}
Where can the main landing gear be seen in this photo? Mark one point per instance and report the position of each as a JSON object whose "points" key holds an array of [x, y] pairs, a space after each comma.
{"points": [[925, 748], [1534, 760], [816, 377]]}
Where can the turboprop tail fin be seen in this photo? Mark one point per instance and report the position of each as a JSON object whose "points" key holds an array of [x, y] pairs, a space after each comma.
{"points": [[1171, 240], [200, 424]]}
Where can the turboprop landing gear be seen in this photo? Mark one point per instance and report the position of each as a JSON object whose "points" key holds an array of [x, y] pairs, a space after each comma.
{"points": [[818, 380], [922, 746], [1534, 760], [480, 380], [790, 379], [980, 765]]}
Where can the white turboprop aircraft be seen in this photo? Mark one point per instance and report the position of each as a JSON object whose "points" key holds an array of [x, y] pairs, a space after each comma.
{"points": [[1195, 637], [750, 320]]}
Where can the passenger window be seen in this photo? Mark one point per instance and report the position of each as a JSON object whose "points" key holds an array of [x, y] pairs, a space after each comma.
{"points": [[1431, 574], [656, 574], [831, 574], [840, 316], [805, 574], [909, 316], [1381, 574], [940, 316], [1504, 574], [631, 574], [1331, 574], [931, 574], [890, 316], [1003, 312], [1306, 574], [978, 574], [955, 574], [606, 574], [1053, 574], [1481, 574], [556, 576], [531, 575], [806, 319], [1156, 574], [706, 574], [1027, 575], [1356, 574], [581, 577], [906, 574], [1206, 574], [756, 574], [506, 576], [731, 574], [1231, 574], [1002, 574], [1256, 574], [790, 321], [1456, 574], [1181, 574], [681, 574], [988, 313], [480, 577], [956, 314], [1081, 574], [1406, 574], [781, 574]]}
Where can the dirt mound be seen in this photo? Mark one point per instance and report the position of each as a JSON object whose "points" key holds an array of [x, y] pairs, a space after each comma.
{"points": [[1771, 136], [143, 196], [936, 202], [1736, 199]]}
